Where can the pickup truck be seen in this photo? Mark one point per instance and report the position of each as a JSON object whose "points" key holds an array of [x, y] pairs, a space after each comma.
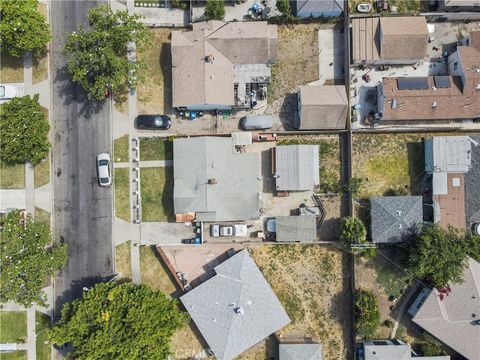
{"points": [[236, 230]]}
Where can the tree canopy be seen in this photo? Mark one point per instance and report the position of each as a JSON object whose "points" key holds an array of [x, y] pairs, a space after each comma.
{"points": [[353, 232], [284, 7], [214, 9], [97, 56], [24, 131], [113, 321], [28, 259], [367, 316], [23, 28], [440, 255]]}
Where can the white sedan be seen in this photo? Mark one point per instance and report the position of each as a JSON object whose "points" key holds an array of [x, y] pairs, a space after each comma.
{"points": [[7, 91], [103, 169]]}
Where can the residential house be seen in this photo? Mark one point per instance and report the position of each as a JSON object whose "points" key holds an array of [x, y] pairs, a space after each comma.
{"points": [[297, 167], [321, 107], [316, 8], [392, 349], [395, 218], [300, 351], [389, 40], [236, 308], [214, 180], [459, 5], [218, 65], [448, 159], [453, 315], [436, 99], [296, 228]]}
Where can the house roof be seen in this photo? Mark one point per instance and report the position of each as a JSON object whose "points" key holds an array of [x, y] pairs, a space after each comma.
{"points": [[451, 320], [197, 81], [300, 351], [323, 107], [308, 7], [475, 39], [390, 352], [394, 217], [448, 154], [236, 308], [296, 228], [472, 190], [235, 195], [449, 205], [403, 37], [389, 38], [297, 167]]}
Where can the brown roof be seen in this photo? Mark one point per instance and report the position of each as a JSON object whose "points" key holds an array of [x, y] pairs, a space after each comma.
{"points": [[403, 37], [460, 101], [323, 107], [365, 39], [196, 81], [475, 39], [452, 205]]}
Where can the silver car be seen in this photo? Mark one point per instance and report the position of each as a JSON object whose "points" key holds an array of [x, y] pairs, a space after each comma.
{"points": [[103, 169]]}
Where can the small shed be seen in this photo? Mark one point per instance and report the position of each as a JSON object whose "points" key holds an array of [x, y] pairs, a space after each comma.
{"points": [[296, 228], [300, 351], [297, 167]]}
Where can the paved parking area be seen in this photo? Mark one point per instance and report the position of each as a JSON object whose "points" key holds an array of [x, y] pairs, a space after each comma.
{"points": [[331, 54]]}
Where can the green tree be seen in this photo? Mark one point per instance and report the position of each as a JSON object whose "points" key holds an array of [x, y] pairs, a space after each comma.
{"points": [[473, 246], [23, 28], [353, 232], [114, 321], [28, 259], [430, 347], [284, 7], [367, 317], [97, 56], [23, 131], [214, 9], [439, 255]]}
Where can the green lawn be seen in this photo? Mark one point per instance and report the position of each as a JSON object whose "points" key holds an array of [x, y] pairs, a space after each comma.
{"points": [[12, 176], [42, 215], [122, 193], [123, 262], [13, 326], [120, 147], [154, 273], [43, 322], [42, 173], [16, 355], [156, 187], [156, 149]]}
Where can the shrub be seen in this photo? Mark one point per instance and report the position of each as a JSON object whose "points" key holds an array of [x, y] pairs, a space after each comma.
{"points": [[367, 316], [214, 9]]}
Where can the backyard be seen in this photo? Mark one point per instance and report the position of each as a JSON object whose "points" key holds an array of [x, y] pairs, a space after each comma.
{"points": [[309, 281], [388, 163], [12, 176], [156, 149], [386, 277], [122, 193], [154, 91], [297, 62], [13, 326], [156, 186]]}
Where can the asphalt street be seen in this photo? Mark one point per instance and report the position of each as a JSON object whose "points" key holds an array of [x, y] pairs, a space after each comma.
{"points": [[81, 129]]}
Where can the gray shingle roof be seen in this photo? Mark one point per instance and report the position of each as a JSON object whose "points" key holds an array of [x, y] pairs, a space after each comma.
{"points": [[300, 351], [387, 352], [296, 228], [297, 167], [236, 308], [472, 189], [451, 320], [394, 217], [236, 193]]}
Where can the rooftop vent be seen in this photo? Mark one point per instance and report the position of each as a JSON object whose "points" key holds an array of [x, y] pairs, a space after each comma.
{"points": [[239, 310], [212, 181], [394, 103], [209, 59], [434, 104]]}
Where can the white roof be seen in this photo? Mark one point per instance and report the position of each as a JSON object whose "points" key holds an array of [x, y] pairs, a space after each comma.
{"points": [[451, 154]]}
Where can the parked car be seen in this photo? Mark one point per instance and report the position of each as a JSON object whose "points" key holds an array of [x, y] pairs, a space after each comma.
{"points": [[153, 122], [256, 122], [364, 8], [476, 228], [236, 230], [7, 91], [271, 225], [191, 241], [103, 169]]}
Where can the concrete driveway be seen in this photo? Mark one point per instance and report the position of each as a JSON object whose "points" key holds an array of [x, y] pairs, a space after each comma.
{"points": [[331, 54]]}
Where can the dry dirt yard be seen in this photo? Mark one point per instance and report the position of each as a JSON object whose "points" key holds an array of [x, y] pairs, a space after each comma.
{"points": [[297, 61], [308, 280]]}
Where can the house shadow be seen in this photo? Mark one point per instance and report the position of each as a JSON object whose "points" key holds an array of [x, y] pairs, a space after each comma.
{"points": [[266, 171], [287, 110], [416, 166], [167, 194]]}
